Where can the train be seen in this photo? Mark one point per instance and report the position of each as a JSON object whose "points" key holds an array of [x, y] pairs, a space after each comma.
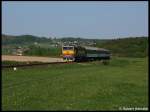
{"points": [[84, 53]]}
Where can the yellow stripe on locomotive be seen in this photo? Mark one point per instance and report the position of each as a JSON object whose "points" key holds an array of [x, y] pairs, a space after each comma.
{"points": [[68, 52]]}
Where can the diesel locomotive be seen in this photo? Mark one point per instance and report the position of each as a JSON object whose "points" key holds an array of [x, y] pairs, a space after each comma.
{"points": [[84, 53]]}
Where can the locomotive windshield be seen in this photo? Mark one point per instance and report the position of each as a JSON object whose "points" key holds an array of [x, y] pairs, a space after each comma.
{"points": [[68, 48]]}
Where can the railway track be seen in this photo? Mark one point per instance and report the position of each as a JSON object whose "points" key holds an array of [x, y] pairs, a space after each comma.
{"points": [[42, 64], [34, 64]]}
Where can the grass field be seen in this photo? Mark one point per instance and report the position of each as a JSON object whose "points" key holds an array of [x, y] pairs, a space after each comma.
{"points": [[82, 86]]}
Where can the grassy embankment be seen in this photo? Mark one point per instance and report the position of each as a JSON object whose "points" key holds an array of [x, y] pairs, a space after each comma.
{"points": [[82, 86]]}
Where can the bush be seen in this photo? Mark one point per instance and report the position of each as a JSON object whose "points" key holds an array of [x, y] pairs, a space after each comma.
{"points": [[39, 51]]}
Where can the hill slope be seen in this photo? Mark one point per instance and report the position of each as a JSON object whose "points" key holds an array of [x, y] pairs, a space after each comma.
{"points": [[22, 39], [130, 47]]}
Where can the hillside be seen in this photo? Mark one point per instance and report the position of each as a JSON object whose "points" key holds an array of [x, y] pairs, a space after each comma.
{"points": [[22, 39], [130, 47]]}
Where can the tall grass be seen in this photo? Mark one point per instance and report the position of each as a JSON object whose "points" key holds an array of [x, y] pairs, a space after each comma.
{"points": [[80, 86]]}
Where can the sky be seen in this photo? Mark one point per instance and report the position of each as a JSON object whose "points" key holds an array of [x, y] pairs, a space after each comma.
{"points": [[86, 19]]}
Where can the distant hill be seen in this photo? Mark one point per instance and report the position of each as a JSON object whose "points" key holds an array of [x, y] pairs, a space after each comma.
{"points": [[22, 39], [130, 47]]}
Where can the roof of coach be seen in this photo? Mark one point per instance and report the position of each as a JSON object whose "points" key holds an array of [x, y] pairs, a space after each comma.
{"points": [[94, 48]]}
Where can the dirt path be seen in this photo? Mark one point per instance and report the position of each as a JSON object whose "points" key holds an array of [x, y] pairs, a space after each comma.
{"points": [[30, 58]]}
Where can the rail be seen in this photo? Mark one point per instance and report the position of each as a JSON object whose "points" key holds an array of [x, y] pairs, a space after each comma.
{"points": [[33, 64]]}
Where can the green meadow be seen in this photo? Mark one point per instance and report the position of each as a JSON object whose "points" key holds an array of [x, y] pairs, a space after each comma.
{"points": [[77, 86]]}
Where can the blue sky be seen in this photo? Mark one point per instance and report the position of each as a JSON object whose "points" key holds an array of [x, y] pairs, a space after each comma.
{"points": [[85, 19]]}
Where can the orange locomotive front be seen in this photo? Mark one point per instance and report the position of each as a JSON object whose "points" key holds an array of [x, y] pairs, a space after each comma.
{"points": [[68, 53]]}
